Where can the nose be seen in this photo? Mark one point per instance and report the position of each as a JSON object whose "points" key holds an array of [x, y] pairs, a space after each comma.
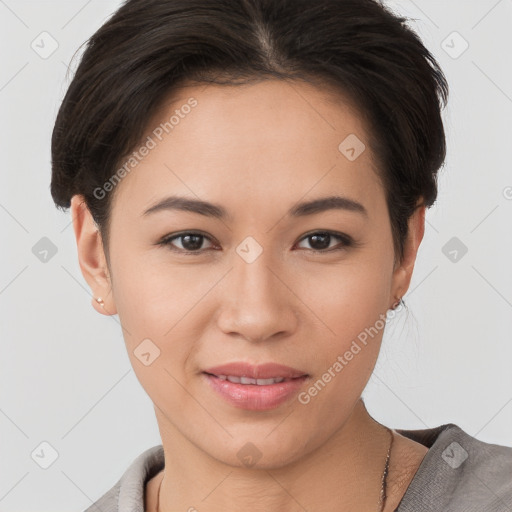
{"points": [[257, 300]]}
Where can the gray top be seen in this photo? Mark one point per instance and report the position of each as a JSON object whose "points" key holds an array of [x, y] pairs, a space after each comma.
{"points": [[459, 473]]}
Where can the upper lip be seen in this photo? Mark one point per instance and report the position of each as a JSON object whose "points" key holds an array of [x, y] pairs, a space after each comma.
{"points": [[261, 371]]}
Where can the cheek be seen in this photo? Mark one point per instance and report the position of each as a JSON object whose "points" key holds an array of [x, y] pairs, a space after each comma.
{"points": [[348, 299], [154, 316], [149, 296], [351, 305], [162, 315], [353, 313]]}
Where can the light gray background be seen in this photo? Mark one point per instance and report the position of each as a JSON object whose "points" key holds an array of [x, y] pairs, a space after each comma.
{"points": [[65, 376]]}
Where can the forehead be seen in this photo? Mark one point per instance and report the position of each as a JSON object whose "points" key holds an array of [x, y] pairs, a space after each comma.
{"points": [[263, 141]]}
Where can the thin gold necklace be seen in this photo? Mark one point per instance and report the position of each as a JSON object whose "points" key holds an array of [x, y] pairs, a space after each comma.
{"points": [[382, 497]]}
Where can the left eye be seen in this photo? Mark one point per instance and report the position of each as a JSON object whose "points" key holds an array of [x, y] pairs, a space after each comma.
{"points": [[192, 242], [322, 240]]}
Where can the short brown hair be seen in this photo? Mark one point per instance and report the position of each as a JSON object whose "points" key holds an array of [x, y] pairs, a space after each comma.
{"points": [[148, 48]]}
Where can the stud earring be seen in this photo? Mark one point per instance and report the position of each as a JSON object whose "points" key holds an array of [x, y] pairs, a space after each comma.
{"points": [[100, 301], [397, 303]]}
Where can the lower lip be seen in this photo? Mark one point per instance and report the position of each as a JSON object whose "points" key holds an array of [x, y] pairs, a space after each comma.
{"points": [[253, 397]]}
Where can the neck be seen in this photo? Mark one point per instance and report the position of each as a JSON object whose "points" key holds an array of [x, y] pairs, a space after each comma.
{"points": [[345, 473]]}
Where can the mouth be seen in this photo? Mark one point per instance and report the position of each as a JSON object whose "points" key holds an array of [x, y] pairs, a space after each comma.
{"points": [[255, 388]]}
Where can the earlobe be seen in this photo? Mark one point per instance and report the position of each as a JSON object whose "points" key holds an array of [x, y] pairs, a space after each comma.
{"points": [[91, 256]]}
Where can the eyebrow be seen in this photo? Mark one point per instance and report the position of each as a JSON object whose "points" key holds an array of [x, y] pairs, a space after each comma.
{"points": [[217, 211]]}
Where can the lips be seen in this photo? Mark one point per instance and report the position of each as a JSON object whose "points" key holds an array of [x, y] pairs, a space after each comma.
{"points": [[255, 387], [246, 373]]}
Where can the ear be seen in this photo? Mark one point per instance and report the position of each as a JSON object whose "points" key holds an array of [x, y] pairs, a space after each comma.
{"points": [[91, 256], [403, 271]]}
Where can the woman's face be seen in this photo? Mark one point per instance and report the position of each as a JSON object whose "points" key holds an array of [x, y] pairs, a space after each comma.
{"points": [[251, 289]]}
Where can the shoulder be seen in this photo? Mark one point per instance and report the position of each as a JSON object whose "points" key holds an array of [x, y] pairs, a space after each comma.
{"points": [[127, 495], [108, 502], [459, 473]]}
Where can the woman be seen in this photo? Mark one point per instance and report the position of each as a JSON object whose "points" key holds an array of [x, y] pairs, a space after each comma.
{"points": [[248, 182]]}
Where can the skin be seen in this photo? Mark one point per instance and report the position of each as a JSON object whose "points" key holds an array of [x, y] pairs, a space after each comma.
{"points": [[257, 150]]}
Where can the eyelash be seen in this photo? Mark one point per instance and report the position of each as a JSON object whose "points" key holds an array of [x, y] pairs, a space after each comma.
{"points": [[346, 241]]}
